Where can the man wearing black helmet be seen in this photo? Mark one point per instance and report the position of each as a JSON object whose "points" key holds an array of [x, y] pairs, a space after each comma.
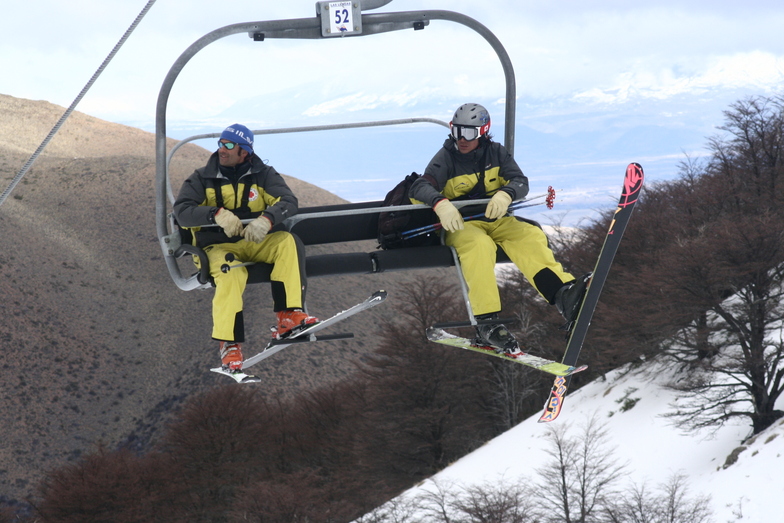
{"points": [[234, 185], [472, 166]]}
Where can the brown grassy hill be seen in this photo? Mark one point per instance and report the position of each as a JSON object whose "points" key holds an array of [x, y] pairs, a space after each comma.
{"points": [[99, 344]]}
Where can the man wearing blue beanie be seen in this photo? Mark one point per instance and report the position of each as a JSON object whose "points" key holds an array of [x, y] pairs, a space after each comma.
{"points": [[237, 185]]}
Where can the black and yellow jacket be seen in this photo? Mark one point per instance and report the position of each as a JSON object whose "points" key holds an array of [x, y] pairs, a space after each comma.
{"points": [[259, 189], [478, 174]]}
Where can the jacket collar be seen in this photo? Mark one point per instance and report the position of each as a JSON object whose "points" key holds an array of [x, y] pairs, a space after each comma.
{"points": [[212, 170], [474, 156]]}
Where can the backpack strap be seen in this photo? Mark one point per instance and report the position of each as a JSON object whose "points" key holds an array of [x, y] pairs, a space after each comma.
{"points": [[243, 211], [210, 183]]}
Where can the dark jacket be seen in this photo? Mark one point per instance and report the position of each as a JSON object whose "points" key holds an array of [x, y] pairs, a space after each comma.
{"points": [[456, 176], [259, 189]]}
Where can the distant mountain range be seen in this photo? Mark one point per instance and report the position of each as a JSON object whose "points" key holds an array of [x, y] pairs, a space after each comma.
{"points": [[579, 145]]}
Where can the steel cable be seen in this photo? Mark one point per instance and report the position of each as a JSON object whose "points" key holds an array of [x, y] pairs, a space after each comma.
{"points": [[73, 105]]}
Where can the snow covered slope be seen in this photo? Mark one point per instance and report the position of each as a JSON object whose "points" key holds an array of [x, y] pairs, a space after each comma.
{"points": [[749, 490]]}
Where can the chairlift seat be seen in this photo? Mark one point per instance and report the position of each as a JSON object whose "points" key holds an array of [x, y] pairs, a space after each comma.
{"points": [[340, 225]]}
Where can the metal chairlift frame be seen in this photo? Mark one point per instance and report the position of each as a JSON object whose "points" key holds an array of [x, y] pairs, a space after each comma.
{"points": [[351, 263]]}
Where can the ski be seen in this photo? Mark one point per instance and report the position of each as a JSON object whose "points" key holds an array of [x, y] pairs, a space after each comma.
{"points": [[307, 334], [239, 376], [632, 185], [552, 367]]}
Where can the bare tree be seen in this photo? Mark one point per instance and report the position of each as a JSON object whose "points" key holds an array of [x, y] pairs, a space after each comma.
{"points": [[435, 504], [495, 503], [671, 504], [729, 262], [109, 486], [430, 403], [580, 478], [396, 510], [702, 267]]}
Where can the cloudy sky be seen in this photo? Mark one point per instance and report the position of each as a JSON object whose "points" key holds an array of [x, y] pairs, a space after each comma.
{"points": [[582, 68], [589, 52]]}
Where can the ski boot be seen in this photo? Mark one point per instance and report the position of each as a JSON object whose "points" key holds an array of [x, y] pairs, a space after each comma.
{"points": [[569, 298], [231, 356], [497, 336], [291, 319]]}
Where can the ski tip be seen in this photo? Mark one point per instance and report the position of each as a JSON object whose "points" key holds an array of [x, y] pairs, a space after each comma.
{"points": [[436, 334], [551, 410], [554, 403], [239, 377], [575, 370], [633, 180]]}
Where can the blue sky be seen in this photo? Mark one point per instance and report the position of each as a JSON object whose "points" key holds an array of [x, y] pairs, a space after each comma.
{"points": [[599, 84]]}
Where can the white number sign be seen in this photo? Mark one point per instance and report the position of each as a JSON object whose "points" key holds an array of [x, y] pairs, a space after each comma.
{"points": [[341, 17]]}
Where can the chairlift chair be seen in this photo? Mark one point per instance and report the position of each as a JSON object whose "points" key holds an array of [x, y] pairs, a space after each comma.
{"points": [[326, 224]]}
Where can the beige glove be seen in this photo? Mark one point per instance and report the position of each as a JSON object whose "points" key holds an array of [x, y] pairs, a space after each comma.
{"points": [[229, 222], [449, 216], [498, 205], [256, 230]]}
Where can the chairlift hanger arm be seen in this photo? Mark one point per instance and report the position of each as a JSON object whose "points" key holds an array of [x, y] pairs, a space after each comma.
{"points": [[306, 28], [311, 28], [376, 23]]}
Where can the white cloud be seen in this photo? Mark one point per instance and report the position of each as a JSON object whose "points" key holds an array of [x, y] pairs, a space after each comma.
{"points": [[754, 70], [599, 49], [576, 63], [361, 102]]}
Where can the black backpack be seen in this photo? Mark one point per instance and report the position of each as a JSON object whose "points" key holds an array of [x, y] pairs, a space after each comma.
{"points": [[392, 224]]}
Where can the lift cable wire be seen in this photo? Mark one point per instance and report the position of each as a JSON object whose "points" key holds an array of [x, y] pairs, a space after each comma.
{"points": [[73, 105]]}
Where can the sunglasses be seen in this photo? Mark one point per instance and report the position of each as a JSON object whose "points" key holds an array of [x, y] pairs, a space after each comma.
{"points": [[465, 132], [227, 145]]}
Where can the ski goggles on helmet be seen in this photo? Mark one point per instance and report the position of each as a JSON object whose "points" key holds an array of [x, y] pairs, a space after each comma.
{"points": [[227, 145], [465, 132]]}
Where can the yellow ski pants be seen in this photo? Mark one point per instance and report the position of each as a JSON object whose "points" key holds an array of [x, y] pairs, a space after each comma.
{"points": [[278, 248], [524, 243]]}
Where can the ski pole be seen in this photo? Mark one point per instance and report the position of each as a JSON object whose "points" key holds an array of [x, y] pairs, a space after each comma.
{"points": [[522, 204], [435, 226], [413, 233]]}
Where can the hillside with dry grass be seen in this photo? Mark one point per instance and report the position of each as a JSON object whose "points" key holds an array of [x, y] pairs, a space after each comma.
{"points": [[100, 346]]}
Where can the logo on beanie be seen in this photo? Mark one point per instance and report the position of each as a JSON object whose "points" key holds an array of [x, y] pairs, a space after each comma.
{"points": [[241, 135]]}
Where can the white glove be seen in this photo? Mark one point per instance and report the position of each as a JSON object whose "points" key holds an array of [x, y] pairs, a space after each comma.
{"points": [[229, 222], [498, 205], [256, 230], [449, 216]]}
